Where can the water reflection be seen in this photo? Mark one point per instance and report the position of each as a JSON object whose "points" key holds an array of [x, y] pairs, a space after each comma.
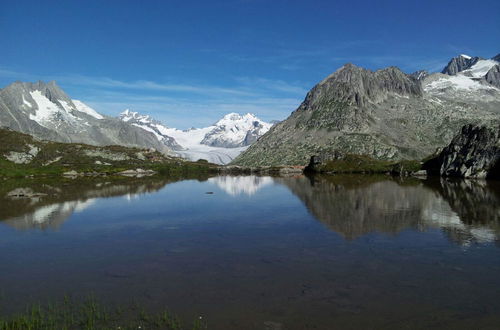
{"points": [[37, 205], [467, 211], [238, 185]]}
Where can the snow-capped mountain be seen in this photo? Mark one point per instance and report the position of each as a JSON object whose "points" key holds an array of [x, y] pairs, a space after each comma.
{"points": [[467, 77], [46, 112], [218, 143], [146, 123], [235, 130]]}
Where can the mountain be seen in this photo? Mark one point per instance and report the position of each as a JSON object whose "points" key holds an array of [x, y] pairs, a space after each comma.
{"points": [[46, 112], [385, 114], [460, 63], [218, 143], [148, 124]]}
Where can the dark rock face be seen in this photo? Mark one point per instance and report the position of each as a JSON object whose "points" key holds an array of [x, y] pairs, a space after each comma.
{"points": [[496, 58], [358, 86], [493, 76], [459, 63], [318, 161], [474, 153]]}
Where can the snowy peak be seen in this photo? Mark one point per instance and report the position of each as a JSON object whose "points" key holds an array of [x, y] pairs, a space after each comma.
{"points": [[48, 105], [466, 75], [133, 116], [148, 124], [235, 130], [460, 63]]}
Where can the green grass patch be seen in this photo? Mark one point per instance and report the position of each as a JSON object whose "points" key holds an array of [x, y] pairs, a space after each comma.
{"points": [[90, 314], [351, 163]]}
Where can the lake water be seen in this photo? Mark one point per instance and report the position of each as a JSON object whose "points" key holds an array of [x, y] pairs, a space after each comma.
{"points": [[247, 252]]}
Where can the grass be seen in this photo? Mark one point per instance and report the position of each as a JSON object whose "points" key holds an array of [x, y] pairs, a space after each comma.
{"points": [[364, 164], [90, 314]]}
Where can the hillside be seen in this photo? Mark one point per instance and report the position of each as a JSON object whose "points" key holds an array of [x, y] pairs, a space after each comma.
{"points": [[23, 155]]}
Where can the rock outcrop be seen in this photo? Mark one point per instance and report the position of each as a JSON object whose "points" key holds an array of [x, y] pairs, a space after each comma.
{"points": [[474, 153], [493, 76]]}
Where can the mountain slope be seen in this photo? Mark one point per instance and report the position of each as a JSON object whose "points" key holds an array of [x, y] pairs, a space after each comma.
{"points": [[385, 114], [219, 143], [46, 112]]}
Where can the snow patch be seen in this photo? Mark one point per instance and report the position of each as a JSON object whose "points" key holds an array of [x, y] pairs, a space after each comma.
{"points": [[66, 106], [149, 129], [26, 103], [458, 81], [82, 107], [46, 109], [467, 57], [480, 69]]}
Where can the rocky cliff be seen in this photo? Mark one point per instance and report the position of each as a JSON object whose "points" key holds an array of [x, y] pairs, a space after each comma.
{"points": [[474, 153]]}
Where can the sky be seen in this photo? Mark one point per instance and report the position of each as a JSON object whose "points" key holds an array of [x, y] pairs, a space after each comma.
{"points": [[188, 63]]}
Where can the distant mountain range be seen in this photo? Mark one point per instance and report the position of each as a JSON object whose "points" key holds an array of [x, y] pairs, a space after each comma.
{"points": [[385, 114], [218, 143], [46, 112]]}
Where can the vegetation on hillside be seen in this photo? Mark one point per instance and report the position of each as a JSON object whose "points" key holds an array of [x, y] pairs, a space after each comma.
{"points": [[21, 155]]}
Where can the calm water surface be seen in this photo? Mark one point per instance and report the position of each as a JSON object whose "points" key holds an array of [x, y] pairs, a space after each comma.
{"points": [[252, 252]]}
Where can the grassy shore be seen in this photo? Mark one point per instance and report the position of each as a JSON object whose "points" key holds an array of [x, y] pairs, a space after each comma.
{"points": [[363, 164], [90, 314]]}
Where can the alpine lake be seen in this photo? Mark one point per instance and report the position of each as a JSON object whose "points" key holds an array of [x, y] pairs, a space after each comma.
{"points": [[259, 252]]}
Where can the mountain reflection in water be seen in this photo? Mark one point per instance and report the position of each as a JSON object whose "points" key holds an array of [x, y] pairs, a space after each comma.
{"points": [[351, 205], [35, 205], [467, 211]]}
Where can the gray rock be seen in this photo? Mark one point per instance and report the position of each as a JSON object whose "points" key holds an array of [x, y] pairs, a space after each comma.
{"points": [[493, 76], [419, 75], [459, 63], [474, 153]]}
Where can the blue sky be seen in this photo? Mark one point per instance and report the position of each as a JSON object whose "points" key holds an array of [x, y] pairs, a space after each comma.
{"points": [[189, 62]]}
